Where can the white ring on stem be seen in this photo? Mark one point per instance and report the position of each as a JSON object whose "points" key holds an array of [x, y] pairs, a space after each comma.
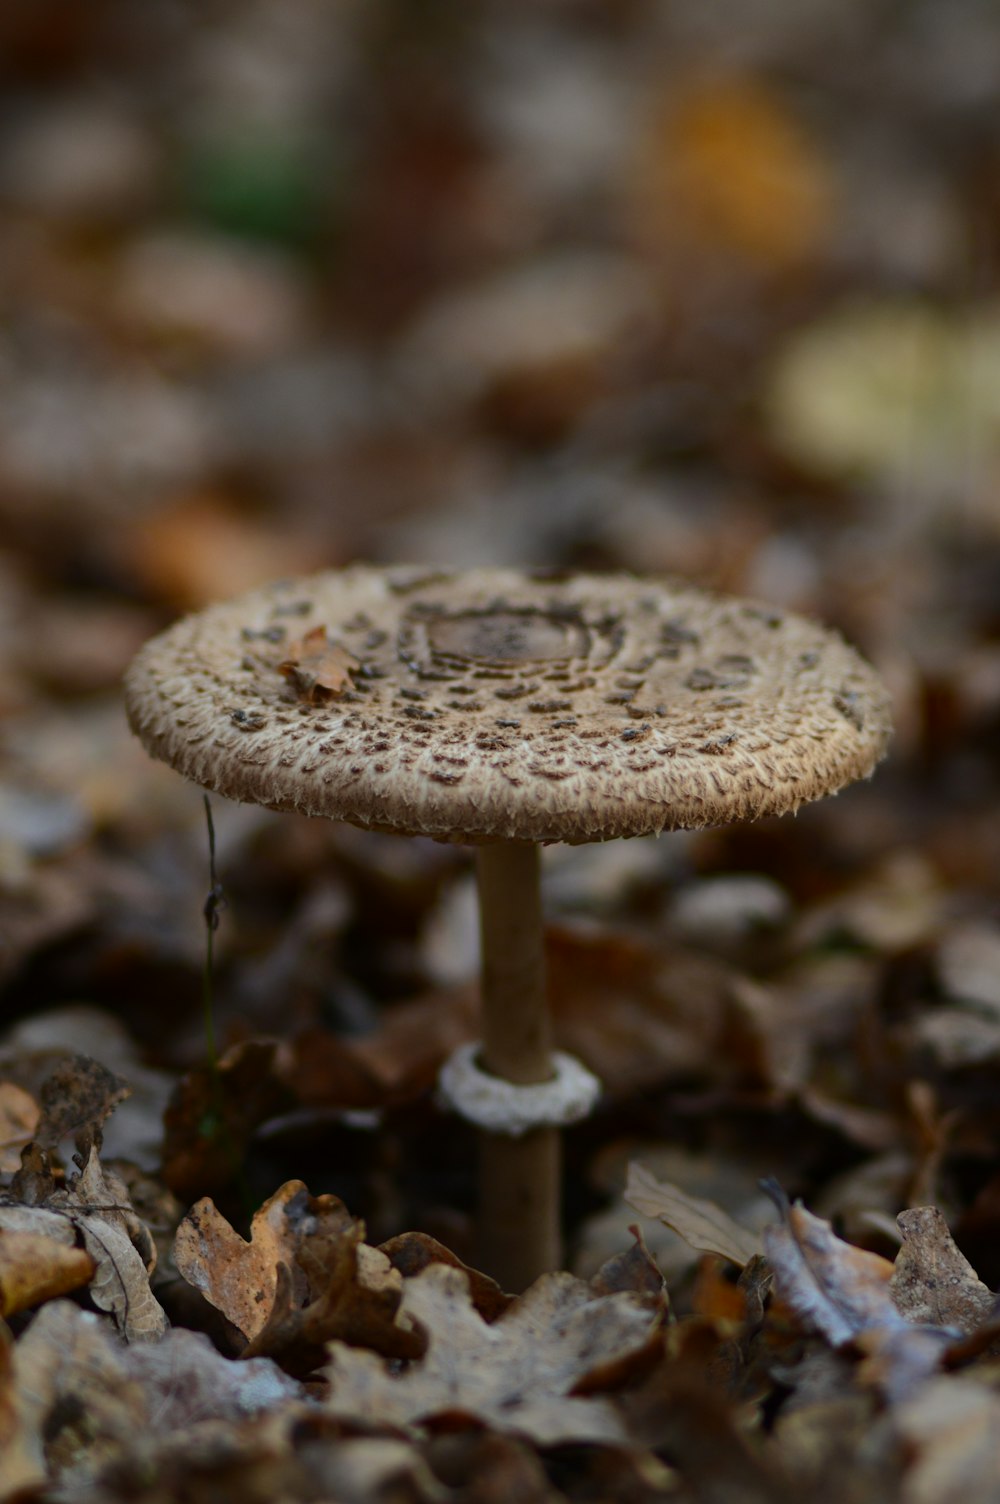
{"points": [[505, 1107]]}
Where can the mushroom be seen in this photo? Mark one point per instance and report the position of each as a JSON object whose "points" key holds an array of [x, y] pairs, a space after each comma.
{"points": [[509, 709]]}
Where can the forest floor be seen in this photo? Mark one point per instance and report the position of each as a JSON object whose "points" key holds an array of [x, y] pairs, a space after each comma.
{"points": [[712, 296]]}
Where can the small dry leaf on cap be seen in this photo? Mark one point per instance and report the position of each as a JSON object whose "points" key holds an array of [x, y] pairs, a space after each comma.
{"points": [[497, 704], [317, 668]]}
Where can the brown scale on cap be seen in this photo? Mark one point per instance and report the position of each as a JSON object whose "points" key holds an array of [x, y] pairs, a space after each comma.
{"points": [[497, 704]]}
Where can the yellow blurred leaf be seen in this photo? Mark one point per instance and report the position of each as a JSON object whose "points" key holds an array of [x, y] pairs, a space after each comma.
{"points": [[728, 166]]}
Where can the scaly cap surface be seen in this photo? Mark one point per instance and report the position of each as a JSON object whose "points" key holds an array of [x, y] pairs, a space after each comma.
{"points": [[498, 704]]}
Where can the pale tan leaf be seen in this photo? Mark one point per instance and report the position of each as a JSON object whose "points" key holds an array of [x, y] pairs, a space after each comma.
{"points": [[702, 1224], [950, 1433], [523, 1373]]}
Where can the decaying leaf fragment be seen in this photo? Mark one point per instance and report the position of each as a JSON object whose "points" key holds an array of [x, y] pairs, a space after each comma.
{"points": [[78, 1095], [531, 1372], [211, 1116], [932, 1280], [700, 1223], [318, 668], [305, 1276]]}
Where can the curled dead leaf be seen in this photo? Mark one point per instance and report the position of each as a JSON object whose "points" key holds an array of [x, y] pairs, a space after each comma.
{"points": [[98, 1207]]}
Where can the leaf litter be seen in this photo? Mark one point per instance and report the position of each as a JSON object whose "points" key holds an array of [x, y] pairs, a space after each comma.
{"points": [[813, 422]]}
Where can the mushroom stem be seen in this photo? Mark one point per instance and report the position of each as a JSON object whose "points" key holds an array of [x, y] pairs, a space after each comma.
{"points": [[519, 1177]]}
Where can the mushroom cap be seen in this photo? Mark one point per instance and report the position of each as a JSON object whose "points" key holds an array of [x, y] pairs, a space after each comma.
{"points": [[497, 704]]}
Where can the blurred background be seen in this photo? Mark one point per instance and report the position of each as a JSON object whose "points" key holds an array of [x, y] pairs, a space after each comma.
{"points": [[704, 289]]}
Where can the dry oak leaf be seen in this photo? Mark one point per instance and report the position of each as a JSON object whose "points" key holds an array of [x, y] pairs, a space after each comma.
{"points": [[97, 1206], [932, 1281], [306, 1275], [524, 1373], [35, 1268], [317, 668], [701, 1223]]}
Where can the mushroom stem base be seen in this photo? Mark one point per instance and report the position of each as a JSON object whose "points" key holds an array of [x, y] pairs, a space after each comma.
{"points": [[519, 1227]]}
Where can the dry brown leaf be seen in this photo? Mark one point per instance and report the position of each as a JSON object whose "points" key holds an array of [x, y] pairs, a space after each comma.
{"points": [[19, 1114], [212, 1115], [201, 547], [95, 1211], [932, 1281], [305, 1276], [700, 1223], [317, 668], [98, 1206], [635, 1270], [34, 1268], [410, 1252], [397, 1062], [523, 1373]]}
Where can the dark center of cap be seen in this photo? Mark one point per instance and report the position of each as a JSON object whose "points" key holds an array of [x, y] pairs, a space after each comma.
{"points": [[507, 637]]}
